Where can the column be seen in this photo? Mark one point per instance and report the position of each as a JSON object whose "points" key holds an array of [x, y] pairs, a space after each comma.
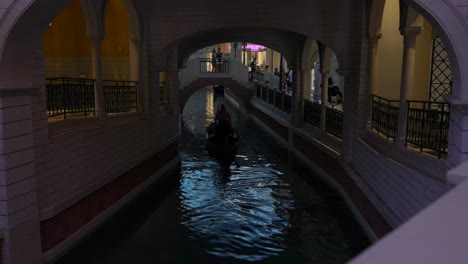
{"points": [[307, 84], [172, 80], [407, 79], [135, 57], [371, 79], [458, 131], [298, 98], [97, 75], [350, 111], [19, 211], [317, 80], [324, 99]]}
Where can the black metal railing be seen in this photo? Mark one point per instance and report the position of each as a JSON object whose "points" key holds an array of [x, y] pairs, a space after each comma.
{"points": [[334, 122], [66, 96], [120, 96], [384, 117], [74, 97], [162, 95], [312, 113], [428, 125], [214, 66]]}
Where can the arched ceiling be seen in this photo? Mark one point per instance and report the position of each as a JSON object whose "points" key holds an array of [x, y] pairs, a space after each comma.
{"points": [[286, 42]]}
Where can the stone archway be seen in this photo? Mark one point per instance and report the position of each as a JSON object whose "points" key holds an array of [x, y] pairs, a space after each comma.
{"points": [[242, 93]]}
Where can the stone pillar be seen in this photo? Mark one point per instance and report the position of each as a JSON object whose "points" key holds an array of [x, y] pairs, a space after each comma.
{"points": [[407, 79], [371, 77], [172, 80], [317, 80], [135, 73], [298, 99], [97, 75], [350, 112], [19, 212], [458, 131], [269, 60], [324, 98], [307, 84]]}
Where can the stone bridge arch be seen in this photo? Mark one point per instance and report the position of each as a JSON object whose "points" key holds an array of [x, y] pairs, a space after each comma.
{"points": [[241, 94]]}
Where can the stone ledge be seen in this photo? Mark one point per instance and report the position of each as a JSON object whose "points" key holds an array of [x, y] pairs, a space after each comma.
{"points": [[458, 174], [6, 92]]}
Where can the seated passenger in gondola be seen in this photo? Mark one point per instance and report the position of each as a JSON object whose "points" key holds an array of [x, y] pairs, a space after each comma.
{"points": [[223, 121]]}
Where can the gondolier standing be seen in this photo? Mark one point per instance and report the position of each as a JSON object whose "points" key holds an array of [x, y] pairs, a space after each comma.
{"points": [[223, 123]]}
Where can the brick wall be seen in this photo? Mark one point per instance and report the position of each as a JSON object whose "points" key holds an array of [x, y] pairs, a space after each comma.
{"points": [[60, 227]]}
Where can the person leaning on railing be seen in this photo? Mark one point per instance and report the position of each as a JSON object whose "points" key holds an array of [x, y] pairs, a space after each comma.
{"points": [[334, 94]]}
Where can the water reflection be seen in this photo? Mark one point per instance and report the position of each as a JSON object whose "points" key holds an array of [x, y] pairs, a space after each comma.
{"points": [[240, 206], [255, 206]]}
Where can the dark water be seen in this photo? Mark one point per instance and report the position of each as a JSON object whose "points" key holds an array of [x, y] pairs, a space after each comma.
{"points": [[258, 206]]}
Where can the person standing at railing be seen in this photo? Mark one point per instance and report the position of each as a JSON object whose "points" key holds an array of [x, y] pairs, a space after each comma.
{"points": [[253, 67], [213, 60], [219, 60], [289, 80], [334, 94]]}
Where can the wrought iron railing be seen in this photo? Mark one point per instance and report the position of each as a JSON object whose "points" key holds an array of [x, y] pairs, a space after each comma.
{"points": [[384, 117], [428, 125], [312, 113], [120, 96], [69, 96], [214, 66], [334, 122]]}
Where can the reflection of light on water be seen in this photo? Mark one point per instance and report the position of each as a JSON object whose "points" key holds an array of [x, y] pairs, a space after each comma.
{"points": [[240, 208], [246, 216]]}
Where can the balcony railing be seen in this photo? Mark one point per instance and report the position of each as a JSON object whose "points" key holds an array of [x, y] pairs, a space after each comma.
{"points": [[69, 96], [428, 125], [74, 97], [208, 65], [334, 122], [279, 100], [384, 117], [312, 113], [120, 96]]}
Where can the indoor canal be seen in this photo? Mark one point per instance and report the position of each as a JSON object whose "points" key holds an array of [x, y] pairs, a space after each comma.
{"points": [[259, 205]]}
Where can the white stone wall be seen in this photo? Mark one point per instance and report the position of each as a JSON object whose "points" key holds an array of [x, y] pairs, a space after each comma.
{"points": [[403, 191]]}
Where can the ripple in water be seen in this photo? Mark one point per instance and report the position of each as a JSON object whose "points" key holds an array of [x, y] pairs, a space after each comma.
{"points": [[242, 210]]}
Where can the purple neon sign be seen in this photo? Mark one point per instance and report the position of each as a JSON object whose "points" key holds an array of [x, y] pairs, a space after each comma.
{"points": [[254, 47]]}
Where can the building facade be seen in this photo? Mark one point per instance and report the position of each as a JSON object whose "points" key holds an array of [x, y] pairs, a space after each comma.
{"points": [[66, 166]]}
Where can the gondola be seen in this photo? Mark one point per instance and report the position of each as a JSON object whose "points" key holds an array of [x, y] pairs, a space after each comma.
{"points": [[221, 144]]}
